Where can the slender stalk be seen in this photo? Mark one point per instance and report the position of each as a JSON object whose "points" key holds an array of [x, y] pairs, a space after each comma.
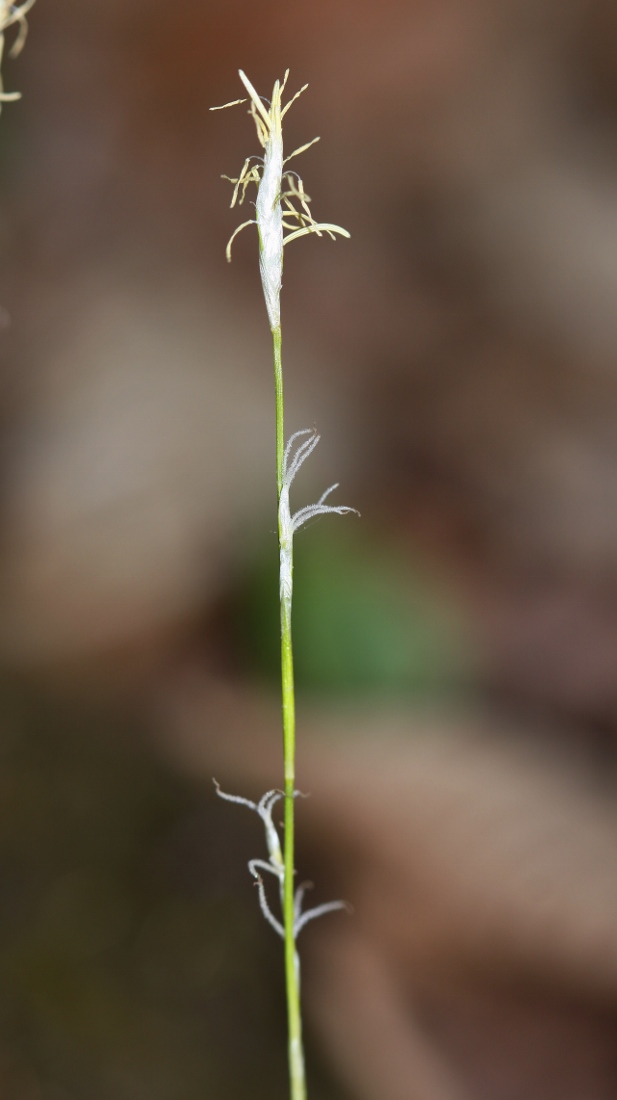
{"points": [[297, 1080], [280, 408]]}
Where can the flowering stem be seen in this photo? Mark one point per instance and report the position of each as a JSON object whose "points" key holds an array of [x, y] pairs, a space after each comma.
{"points": [[282, 207], [297, 1079]]}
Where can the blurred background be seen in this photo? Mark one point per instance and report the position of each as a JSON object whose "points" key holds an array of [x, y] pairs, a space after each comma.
{"points": [[456, 647]]}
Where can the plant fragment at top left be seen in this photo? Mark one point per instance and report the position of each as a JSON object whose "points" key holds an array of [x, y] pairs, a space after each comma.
{"points": [[12, 15]]}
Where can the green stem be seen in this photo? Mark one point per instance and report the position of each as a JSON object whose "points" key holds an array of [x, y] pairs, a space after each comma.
{"points": [[297, 1080]]}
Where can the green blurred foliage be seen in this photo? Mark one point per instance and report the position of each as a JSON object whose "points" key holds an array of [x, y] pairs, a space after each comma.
{"points": [[368, 621]]}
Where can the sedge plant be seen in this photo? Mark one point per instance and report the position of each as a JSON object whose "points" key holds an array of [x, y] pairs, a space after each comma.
{"points": [[282, 215]]}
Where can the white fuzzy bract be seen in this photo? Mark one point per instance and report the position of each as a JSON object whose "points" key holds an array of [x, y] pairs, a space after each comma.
{"points": [[290, 522]]}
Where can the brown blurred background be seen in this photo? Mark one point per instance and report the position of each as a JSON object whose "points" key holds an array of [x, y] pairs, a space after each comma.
{"points": [[456, 647]]}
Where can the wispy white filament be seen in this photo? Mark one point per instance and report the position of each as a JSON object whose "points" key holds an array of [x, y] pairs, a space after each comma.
{"points": [[275, 866]]}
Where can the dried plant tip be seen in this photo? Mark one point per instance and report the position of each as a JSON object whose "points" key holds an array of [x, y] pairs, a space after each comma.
{"points": [[232, 103]]}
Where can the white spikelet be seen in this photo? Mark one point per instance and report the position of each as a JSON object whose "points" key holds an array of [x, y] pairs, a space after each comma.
{"points": [[268, 205], [282, 203]]}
